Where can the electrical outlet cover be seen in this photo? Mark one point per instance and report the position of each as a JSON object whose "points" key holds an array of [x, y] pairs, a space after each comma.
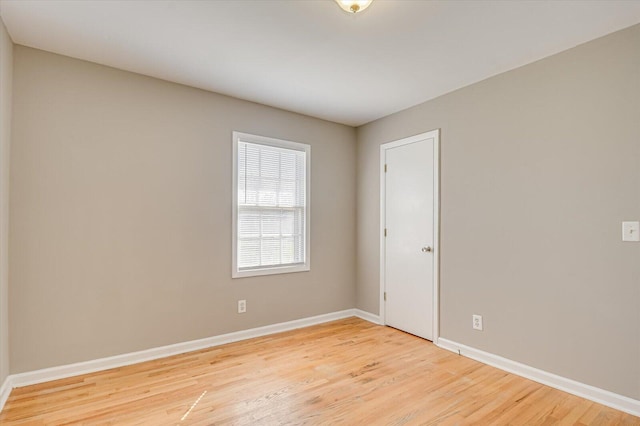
{"points": [[477, 322]]}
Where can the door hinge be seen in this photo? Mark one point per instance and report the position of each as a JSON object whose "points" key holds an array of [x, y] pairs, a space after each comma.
{"points": [[385, 232], [385, 168], [385, 296]]}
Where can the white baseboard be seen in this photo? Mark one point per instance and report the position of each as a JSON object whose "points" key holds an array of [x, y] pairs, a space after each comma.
{"points": [[70, 370], [5, 391], [592, 393], [367, 316]]}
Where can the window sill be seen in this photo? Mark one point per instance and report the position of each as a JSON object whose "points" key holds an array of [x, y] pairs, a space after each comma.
{"points": [[271, 271]]}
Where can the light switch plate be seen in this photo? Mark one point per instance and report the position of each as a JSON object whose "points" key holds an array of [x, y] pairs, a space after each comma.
{"points": [[630, 231]]}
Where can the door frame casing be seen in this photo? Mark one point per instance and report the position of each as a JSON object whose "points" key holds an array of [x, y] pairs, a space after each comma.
{"points": [[435, 135]]}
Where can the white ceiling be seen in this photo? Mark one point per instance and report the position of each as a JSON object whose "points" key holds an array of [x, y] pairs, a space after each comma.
{"points": [[309, 56]]}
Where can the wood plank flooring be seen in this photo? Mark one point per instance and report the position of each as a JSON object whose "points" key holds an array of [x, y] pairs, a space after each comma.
{"points": [[347, 372]]}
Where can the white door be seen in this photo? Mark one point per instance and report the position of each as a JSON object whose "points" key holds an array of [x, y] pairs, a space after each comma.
{"points": [[409, 207]]}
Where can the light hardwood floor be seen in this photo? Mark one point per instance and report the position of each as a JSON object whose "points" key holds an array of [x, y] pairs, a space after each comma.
{"points": [[347, 372]]}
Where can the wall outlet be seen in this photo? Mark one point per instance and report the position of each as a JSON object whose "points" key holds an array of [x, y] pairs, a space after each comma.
{"points": [[477, 322], [242, 306]]}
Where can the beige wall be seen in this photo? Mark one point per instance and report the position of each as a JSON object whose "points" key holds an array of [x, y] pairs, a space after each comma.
{"points": [[539, 166], [121, 214], [6, 87]]}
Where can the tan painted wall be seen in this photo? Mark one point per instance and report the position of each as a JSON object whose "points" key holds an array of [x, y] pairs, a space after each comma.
{"points": [[121, 214], [539, 166], [6, 87]]}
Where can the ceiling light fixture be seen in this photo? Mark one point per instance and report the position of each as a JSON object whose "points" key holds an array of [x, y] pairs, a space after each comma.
{"points": [[353, 6]]}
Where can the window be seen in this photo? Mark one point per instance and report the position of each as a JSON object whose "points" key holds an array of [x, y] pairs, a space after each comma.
{"points": [[270, 206]]}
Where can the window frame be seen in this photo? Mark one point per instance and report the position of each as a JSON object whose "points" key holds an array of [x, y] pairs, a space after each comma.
{"points": [[278, 269]]}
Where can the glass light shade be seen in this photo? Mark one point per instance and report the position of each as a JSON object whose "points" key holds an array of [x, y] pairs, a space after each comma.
{"points": [[353, 6]]}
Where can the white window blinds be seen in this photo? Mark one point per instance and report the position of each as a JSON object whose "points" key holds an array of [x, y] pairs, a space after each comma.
{"points": [[271, 210]]}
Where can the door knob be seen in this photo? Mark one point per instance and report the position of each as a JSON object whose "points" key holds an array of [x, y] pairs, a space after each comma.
{"points": [[426, 249]]}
